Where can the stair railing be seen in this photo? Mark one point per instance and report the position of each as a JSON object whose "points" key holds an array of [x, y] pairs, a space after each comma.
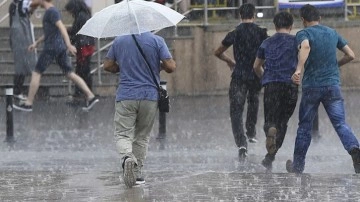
{"points": [[3, 18]]}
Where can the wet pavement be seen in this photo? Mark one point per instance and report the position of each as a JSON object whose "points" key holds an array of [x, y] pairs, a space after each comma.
{"points": [[64, 154]]}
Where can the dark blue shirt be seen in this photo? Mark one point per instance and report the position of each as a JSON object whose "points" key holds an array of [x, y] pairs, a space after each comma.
{"points": [[246, 39], [53, 39], [321, 67], [280, 55]]}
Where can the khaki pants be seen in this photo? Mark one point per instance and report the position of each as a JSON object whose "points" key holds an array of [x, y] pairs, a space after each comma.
{"points": [[133, 122]]}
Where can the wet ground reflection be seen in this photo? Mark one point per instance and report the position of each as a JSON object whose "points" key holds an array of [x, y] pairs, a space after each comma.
{"points": [[64, 154]]}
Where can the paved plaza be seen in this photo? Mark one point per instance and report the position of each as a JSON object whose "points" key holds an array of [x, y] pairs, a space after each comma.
{"points": [[64, 154]]}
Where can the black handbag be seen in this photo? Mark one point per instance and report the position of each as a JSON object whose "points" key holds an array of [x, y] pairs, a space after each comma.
{"points": [[164, 101]]}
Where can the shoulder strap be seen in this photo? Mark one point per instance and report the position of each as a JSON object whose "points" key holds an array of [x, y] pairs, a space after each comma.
{"points": [[147, 63]]}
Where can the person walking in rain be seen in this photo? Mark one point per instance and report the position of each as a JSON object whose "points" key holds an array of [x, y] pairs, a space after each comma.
{"points": [[56, 44], [136, 96], [279, 54], [320, 84], [21, 37], [85, 45], [244, 85]]}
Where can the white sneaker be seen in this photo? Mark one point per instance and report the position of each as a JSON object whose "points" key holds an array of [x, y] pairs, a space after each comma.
{"points": [[90, 103], [139, 181], [20, 97]]}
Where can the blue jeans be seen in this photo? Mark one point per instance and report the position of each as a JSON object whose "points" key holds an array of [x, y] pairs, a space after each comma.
{"points": [[331, 98]]}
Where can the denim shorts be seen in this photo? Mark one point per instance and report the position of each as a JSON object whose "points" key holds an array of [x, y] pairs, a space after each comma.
{"points": [[48, 56]]}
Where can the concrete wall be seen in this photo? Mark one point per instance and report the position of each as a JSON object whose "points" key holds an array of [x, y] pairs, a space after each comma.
{"points": [[350, 72], [200, 72], [97, 5]]}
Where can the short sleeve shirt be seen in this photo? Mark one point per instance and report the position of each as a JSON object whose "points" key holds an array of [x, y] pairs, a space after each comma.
{"points": [[136, 81], [53, 37], [280, 55], [321, 67], [245, 39]]}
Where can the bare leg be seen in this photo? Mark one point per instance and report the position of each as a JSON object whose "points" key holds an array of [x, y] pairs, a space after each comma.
{"points": [[81, 84], [34, 86]]}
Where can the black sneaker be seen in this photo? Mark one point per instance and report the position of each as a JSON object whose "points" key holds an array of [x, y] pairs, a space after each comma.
{"points": [[242, 153], [355, 155], [271, 140], [140, 181], [129, 175], [90, 104], [23, 107], [289, 166], [267, 162]]}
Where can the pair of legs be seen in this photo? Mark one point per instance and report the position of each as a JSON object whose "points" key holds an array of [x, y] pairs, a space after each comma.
{"points": [[239, 92], [279, 105], [331, 98], [133, 122], [45, 59], [35, 82]]}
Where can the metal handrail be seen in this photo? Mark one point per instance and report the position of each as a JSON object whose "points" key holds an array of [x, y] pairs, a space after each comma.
{"points": [[3, 3], [206, 9], [7, 14], [4, 18]]}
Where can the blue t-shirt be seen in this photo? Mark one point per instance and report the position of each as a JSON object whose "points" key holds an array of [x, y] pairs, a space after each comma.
{"points": [[136, 81], [53, 38], [321, 67], [280, 55]]}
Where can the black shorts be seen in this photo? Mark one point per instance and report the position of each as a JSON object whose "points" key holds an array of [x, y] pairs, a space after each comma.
{"points": [[48, 56]]}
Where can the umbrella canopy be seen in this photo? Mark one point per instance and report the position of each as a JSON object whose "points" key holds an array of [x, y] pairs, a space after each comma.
{"points": [[130, 17]]}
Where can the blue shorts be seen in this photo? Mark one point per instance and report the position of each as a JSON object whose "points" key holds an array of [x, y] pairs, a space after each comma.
{"points": [[48, 56]]}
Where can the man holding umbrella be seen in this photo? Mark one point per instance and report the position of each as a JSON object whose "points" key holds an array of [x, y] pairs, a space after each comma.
{"points": [[138, 56], [136, 96]]}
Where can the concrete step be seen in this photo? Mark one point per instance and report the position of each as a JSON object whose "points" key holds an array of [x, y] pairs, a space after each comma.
{"points": [[5, 42], [8, 66], [38, 31], [7, 55], [58, 77], [4, 32], [51, 89]]}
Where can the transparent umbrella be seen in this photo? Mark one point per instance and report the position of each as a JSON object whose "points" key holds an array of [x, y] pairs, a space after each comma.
{"points": [[130, 17]]}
